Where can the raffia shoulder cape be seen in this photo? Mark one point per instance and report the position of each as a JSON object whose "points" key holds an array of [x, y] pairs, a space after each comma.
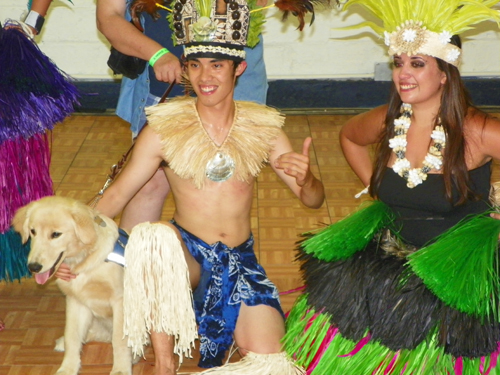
{"points": [[187, 147]]}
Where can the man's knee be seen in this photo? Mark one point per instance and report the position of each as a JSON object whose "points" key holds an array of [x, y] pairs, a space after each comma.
{"points": [[157, 186], [166, 231], [259, 329], [157, 287]]}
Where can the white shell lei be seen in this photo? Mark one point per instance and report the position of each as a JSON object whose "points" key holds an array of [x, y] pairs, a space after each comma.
{"points": [[433, 159]]}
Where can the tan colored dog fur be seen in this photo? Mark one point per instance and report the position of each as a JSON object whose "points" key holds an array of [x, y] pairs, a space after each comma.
{"points": [[65, 230]]}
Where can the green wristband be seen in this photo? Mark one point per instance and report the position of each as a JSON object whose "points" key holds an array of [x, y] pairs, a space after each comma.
{"points": [[157, 55]]}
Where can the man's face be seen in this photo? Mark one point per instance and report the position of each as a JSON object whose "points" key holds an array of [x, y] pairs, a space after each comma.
{"points": [[213, 80]]}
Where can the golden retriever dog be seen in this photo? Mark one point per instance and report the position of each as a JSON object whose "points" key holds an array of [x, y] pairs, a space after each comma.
{"points": [[63, 230]]}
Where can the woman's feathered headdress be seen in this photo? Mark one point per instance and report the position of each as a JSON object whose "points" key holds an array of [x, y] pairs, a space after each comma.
{"points": [[426, 26]]}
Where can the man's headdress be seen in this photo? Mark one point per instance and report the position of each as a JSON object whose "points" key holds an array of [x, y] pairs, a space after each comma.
{"points": [[220, 28], [426, 26]]}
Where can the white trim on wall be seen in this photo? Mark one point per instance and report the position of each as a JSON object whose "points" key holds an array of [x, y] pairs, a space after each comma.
{"points": [[321, 51]]}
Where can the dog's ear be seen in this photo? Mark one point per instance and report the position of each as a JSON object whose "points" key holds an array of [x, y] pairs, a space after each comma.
{"points": [[83, 220], [20, 222]]}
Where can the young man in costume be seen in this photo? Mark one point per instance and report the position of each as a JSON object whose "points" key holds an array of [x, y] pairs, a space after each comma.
{"points": [[211, 148], [155, 45]]}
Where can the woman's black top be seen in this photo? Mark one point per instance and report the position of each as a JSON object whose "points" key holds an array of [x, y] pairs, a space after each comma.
{"points": [[423, 212]]}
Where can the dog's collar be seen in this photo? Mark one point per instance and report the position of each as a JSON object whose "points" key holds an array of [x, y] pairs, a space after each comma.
{"points": [[99, 221]]}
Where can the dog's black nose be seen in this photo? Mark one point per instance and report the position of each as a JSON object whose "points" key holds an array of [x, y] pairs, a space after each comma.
{"points": [[34, 267]]}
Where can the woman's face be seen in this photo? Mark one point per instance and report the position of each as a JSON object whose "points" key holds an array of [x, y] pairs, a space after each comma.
{"points": [[418, 79]]}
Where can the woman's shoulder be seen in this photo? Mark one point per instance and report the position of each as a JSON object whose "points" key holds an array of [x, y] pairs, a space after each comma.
{"points": [[374, 117], [378, 113], [482, 131], [477, 120]]}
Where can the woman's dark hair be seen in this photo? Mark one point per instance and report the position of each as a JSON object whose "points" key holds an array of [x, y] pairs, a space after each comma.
{"points": [[455, 102]]}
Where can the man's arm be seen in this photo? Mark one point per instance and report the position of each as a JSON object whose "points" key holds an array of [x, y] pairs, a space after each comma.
{"points": [[126, 38], [294, 169], [143, 164]]}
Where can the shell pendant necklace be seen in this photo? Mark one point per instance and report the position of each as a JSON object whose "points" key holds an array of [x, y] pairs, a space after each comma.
{"points": [[221, 167]]}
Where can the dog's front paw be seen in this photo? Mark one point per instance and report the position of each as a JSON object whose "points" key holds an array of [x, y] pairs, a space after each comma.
{"points": [[66, 371], [69, 366], [59, 344], [123, 368], [120, 372]]}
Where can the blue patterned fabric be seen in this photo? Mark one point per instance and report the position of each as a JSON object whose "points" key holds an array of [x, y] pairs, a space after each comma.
{"points": [[230, 276]]}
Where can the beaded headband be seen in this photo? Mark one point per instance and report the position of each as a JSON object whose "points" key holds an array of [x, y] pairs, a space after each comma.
{"points": [[220, 28], [426, 26]]}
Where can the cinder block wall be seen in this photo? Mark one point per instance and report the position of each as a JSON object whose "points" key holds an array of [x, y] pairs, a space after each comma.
{"points": [[320, 52]]}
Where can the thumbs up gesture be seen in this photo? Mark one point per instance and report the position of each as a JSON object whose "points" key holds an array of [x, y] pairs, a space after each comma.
{"points": [[297, 165]]}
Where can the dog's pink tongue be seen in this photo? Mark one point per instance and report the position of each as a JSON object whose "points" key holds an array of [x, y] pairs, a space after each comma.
{"points": [[41, 278]]}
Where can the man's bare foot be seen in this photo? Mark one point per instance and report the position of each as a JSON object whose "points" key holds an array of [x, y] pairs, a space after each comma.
{"points": [[166, 372], [2, 325], [163, 367]]}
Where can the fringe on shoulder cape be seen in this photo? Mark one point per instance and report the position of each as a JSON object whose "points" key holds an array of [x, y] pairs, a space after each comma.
{"points": [[188, 148]]}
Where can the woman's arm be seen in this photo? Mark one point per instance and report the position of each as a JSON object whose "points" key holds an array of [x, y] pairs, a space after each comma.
{"points": [[41, 6], [357, 135], [483, 141], [487, 130], [36, 15]]}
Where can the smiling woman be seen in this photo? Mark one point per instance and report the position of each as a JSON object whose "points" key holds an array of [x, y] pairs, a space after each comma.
{"points": [[410, 283], [418, 79]]}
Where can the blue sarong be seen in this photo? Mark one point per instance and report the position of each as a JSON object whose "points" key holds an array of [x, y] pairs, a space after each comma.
{"points": [[229, 277]]}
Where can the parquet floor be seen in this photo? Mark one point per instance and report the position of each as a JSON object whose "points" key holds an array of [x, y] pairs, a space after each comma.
{"points": [[84, 147]]}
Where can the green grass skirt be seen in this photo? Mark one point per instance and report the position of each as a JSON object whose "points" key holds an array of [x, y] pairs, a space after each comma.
{"points": [[318, 346]]}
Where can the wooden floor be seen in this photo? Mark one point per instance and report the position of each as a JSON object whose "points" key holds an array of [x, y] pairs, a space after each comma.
{"points": [[84, 147]]}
